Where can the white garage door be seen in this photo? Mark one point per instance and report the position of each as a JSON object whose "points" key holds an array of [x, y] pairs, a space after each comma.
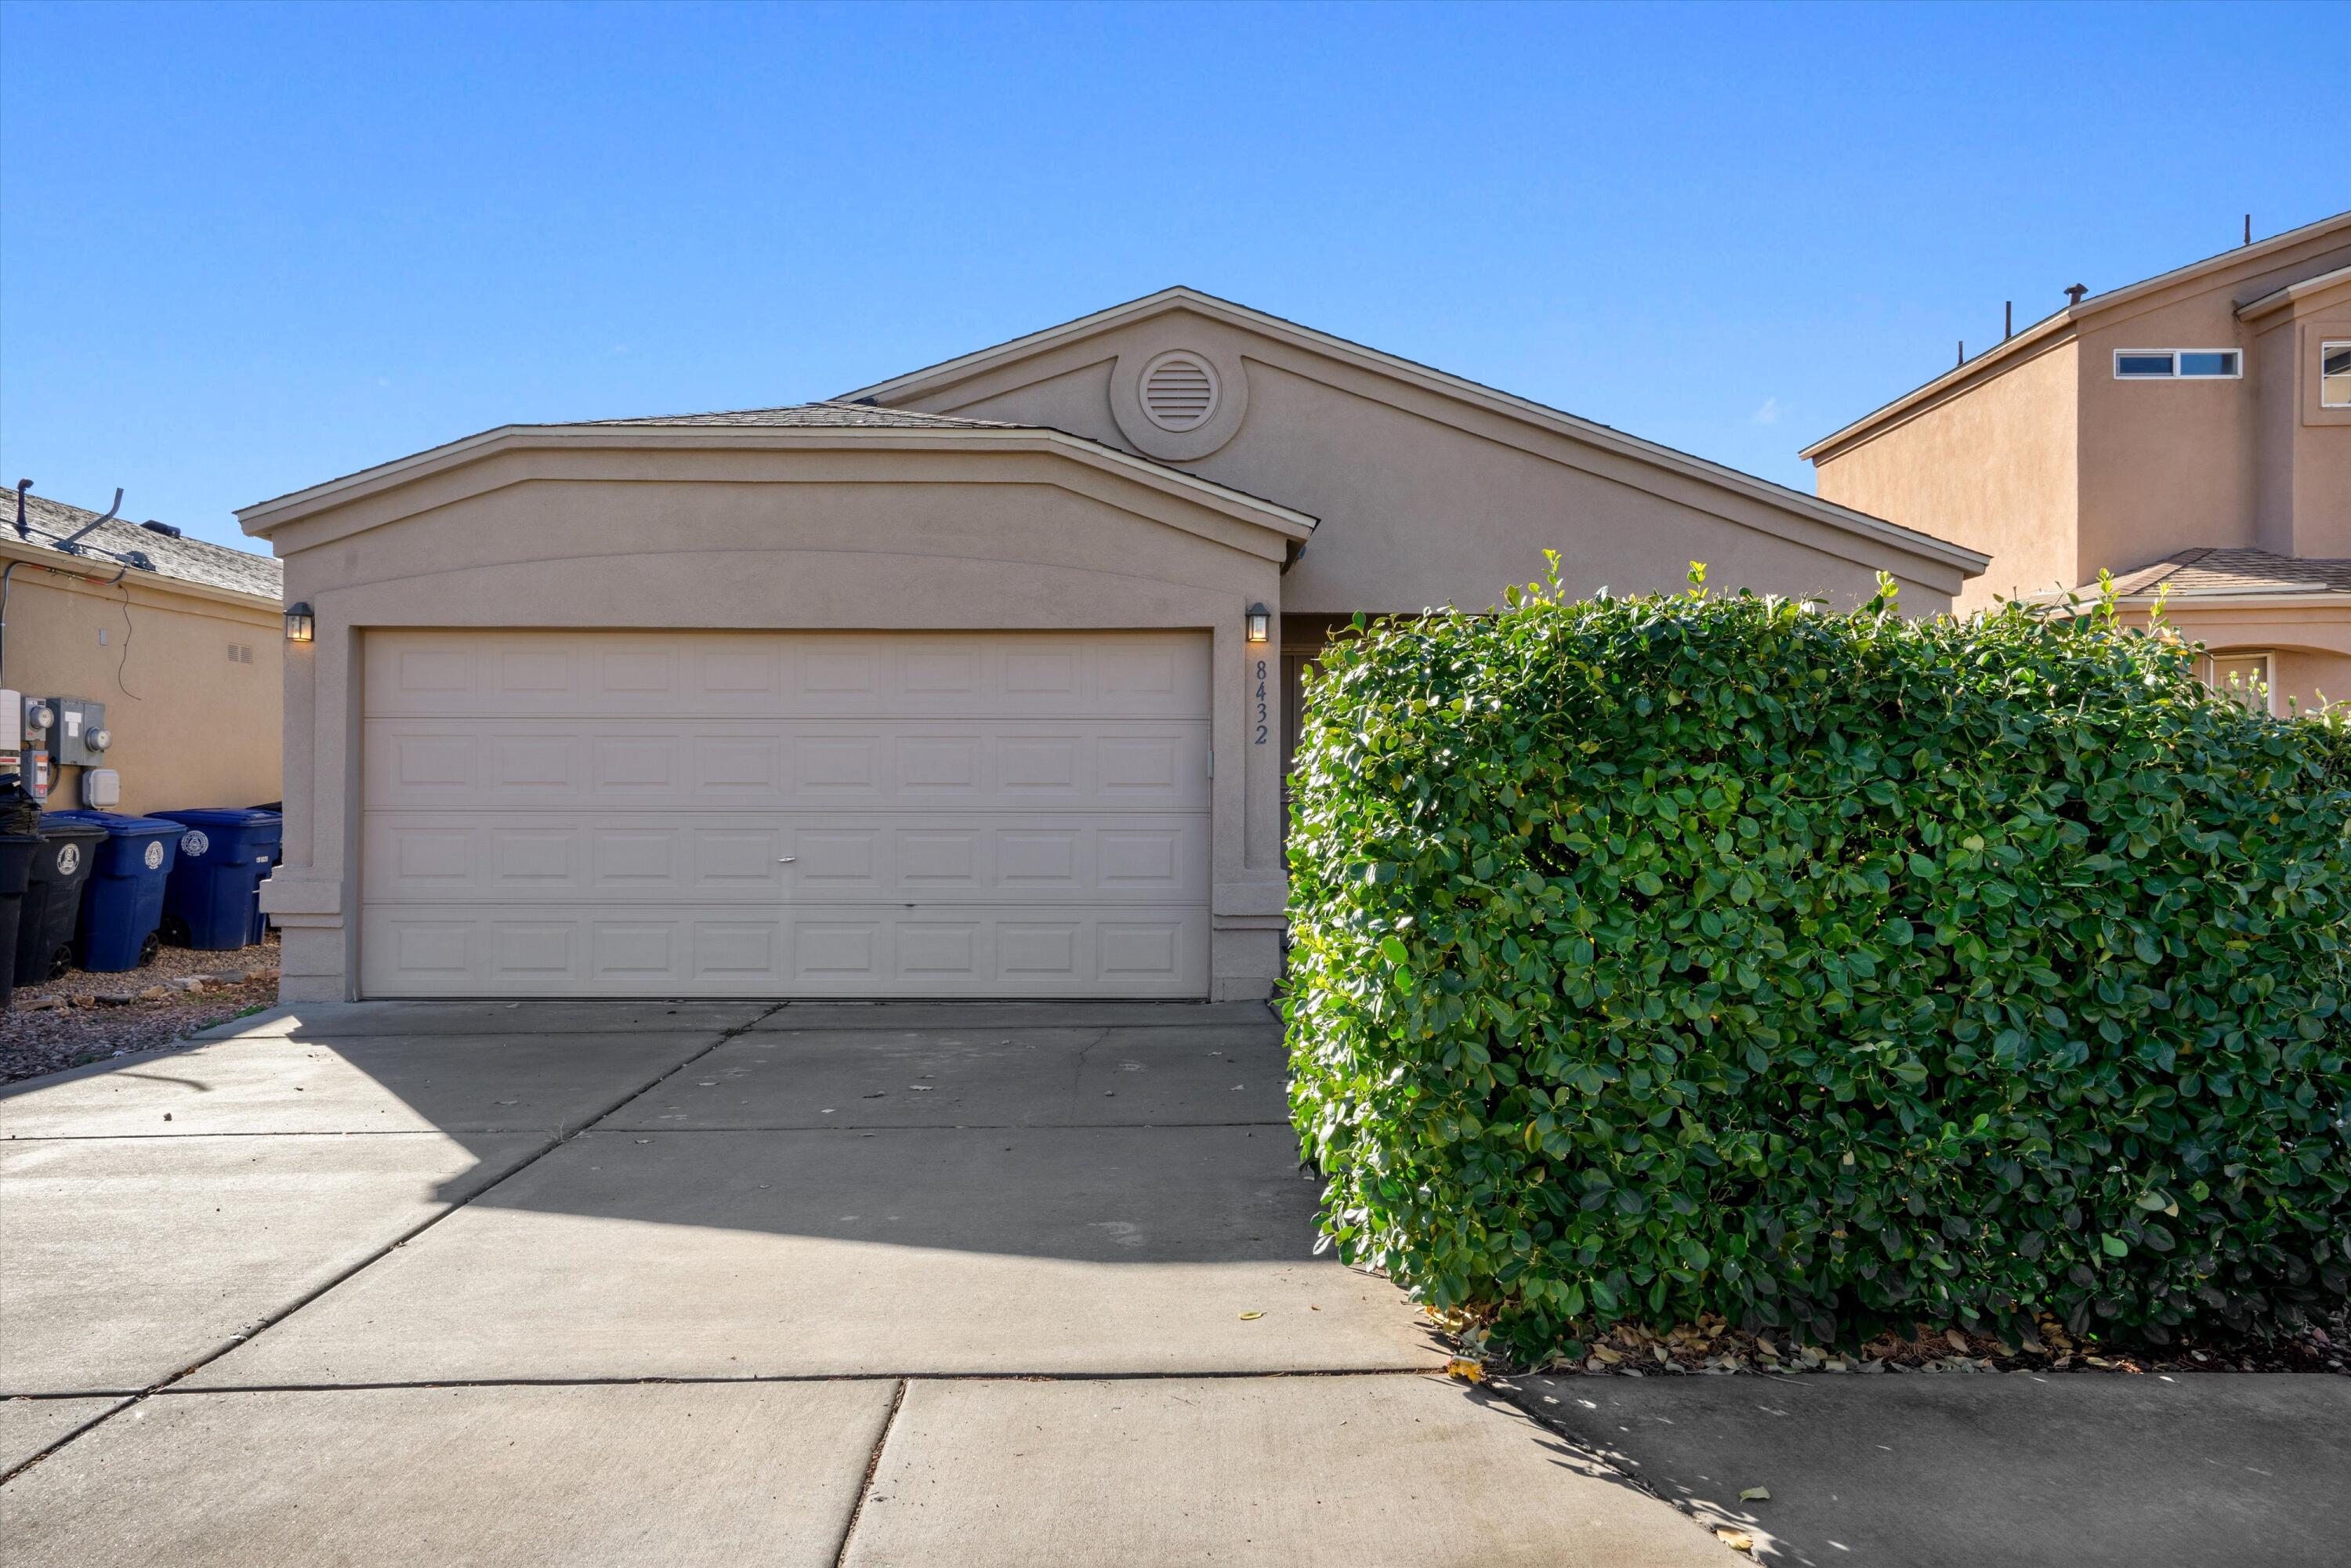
{"points": [[820, 814]]}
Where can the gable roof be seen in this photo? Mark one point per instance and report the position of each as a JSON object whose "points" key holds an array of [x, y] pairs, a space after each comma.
{"points": [[831, 423], [946, 373], [2056, 324], [182, 559]]}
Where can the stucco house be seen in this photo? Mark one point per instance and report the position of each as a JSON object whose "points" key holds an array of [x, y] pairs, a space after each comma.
{"points": [[2189, 433], [186, 651], [969, 683]]}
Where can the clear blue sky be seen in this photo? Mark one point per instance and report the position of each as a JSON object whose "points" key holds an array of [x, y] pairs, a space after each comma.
{"points": [[243, 250]]}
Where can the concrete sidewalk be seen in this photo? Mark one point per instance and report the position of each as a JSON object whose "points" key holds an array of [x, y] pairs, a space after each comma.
{"points": [[1035, 1284], [1989, 1470]]}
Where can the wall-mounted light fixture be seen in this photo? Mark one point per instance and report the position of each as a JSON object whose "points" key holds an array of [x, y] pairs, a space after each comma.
{"points": [[1260, 624], [300, 625]]}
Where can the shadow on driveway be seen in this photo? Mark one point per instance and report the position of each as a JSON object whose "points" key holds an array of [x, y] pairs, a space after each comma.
{"points": [[999, 1187]]}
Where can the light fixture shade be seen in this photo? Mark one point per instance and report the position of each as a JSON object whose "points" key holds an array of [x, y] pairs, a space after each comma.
{"points": [[300, 625], [1260, 624]]}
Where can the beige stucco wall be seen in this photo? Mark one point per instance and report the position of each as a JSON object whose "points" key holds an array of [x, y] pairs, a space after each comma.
{"points": [[2304, 497], [192, 727], [1424, 499], [870, 538], [2167, 465], [1996, 468], [2311, 643]]}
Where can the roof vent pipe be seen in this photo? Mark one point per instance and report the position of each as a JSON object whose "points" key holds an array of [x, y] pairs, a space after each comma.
{"points": [[2007, 319], [2249, 228], [2074, 293], [23, 530]]}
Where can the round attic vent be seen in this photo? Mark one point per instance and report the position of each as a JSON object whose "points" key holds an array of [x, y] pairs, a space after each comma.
{"points": [[1179, 390]]}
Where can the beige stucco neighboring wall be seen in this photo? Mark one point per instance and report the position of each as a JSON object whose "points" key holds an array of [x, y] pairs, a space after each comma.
{"points": [[2166, 464], [738, 533], [2310, 640], [191, 727], [1427, 498], [1996, 468], [2303, 500]]}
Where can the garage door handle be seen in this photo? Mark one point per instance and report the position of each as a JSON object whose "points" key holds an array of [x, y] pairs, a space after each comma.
{"points": [[788, 860]]}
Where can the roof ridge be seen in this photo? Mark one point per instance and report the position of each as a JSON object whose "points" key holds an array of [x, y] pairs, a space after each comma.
{"points": [[2049, 326], [857, 412]]}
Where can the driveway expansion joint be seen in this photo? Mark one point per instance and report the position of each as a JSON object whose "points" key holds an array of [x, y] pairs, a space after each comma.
{"points": [[1433, 1368], [872, 1464], [246, 1336]]}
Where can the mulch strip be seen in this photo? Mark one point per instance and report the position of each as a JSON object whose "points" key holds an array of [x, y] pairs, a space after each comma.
{"points": [[1712, 1347]]}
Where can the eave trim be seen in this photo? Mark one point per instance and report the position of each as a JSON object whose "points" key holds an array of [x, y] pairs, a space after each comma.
{"points": [[261, 518]]}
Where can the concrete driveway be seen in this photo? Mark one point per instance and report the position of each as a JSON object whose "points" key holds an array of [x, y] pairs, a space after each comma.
{"points": [[610, 1283]]}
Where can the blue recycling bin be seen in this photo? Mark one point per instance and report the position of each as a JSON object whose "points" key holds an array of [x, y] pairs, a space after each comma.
{"points": [[214, 898], [123, 904]]}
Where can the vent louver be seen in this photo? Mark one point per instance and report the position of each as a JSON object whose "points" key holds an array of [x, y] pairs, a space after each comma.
{"points": [[1179, 391]]}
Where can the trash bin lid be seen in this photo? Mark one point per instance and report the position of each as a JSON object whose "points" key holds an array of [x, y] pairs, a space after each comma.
{"points": [[221, 816], [57, 825], [113, 822]]}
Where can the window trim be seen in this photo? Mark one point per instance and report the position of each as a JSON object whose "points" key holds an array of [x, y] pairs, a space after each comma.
{"points": [[2174, 373], [2268, 657], [2324, 344]]}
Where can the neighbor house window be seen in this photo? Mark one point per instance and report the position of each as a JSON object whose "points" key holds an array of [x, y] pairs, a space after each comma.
{"points": [[2334, 375], [2244, 676], [2178, 364]]}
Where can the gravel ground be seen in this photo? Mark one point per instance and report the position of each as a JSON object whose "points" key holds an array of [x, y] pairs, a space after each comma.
{"points": [[35, 1040]]}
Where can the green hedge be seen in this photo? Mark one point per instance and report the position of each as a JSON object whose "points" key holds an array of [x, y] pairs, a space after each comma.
{"points": [[1656, 956]]}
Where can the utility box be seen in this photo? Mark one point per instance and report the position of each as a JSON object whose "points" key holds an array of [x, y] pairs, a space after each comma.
{"points": [[101, 788], [34, 716], [79, 737]]}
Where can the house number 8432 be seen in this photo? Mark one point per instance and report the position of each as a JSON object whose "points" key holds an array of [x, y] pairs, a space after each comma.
{"points": [[1262, 729]]}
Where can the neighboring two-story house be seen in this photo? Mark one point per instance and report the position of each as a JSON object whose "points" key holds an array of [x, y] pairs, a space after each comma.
{"points": [[2189, 433]]}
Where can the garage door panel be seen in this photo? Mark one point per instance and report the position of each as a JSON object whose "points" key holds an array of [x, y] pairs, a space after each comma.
{"points": [[816, 814], [941, 857], [825, 951], [488, 763], [517, 675]]}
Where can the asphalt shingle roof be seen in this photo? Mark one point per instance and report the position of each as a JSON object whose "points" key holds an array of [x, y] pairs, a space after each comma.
{"points": [[2207, 572], [190, 561], [822, 416]]}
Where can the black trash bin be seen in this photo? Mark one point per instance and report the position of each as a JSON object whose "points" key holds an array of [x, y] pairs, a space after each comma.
{"points": [[52, 900], [15, 860]]}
